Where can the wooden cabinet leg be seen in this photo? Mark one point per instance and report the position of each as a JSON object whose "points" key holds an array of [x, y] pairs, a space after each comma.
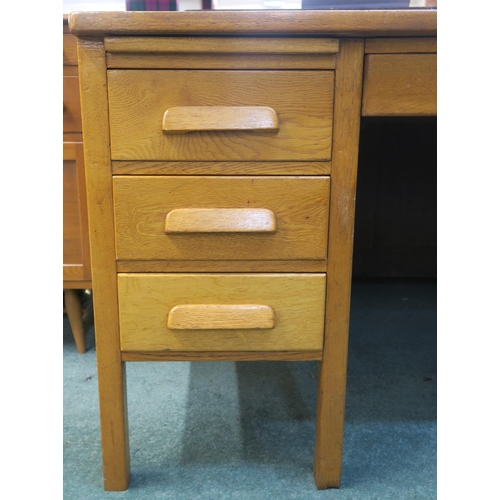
{"points": [[74, 311], [110, 368], [114, 426], [332, 373], [329, 428]]}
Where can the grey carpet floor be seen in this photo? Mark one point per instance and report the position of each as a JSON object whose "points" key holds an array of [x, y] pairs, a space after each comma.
{"points": [[246, 430]]}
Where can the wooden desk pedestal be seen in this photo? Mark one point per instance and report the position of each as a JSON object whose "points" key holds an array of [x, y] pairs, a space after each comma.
{"points": [[221, 155]]}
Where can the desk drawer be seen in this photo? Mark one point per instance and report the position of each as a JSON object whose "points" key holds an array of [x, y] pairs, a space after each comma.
{"points": [[400, 85], [241, 218], [243, 312], [230, 115]]}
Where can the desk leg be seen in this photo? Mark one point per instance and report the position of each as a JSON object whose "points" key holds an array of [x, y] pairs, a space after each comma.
{"points": [[110, 368], [332, 373], [114, 424], [74, 311]]}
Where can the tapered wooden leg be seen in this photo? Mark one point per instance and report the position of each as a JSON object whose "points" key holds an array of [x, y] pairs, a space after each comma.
{"points": [[74, 311], [110, 368], [332, 370], [114, 425]]}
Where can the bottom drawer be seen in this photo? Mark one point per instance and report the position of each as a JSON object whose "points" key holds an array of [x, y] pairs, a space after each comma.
{"points": [[221, 312]]}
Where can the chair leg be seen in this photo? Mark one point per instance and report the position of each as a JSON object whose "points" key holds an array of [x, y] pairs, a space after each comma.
{"points": [[74, 311]]}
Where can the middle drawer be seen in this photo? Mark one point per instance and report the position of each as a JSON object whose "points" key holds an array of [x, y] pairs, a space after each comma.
{"points": [[239, 218]]}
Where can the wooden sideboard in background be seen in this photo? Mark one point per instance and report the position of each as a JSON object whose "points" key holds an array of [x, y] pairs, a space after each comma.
{"points": [[76, 254]]}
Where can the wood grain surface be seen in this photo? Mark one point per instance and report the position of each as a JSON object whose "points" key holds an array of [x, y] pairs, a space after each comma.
{"points": [[221, 266], [333, 368], [400, 85], [72, 121], [138, 100], [400, 45], [406, 22], [221, 168], [221, 45], [220, 220], [222, 356], [300, 205], [220, 317], [72, 229], [70, 56], [185, 119], [76, 249], [110, 369], [297, 300], [220, 61]]}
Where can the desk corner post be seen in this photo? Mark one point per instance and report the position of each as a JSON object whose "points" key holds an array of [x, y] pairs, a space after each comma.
{"points": [[110, 368], [332, 369]]}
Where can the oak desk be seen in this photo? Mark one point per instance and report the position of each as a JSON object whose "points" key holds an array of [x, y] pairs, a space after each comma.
{"points": [[221, 158]]}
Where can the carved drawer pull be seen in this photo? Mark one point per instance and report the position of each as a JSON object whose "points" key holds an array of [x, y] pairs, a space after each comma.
{"points": [[220, 220], [217, 316], [183, 119]]}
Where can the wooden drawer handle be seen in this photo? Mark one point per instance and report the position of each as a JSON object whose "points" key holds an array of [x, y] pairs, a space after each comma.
{"points": [[220, 220], [217, 316], [183, 119]]}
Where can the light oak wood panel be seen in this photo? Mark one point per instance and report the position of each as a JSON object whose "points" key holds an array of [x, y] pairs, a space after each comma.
{"points": [[76, 251], [300, 205], [71, 105], [72, 272], [138, 100], [400, 45], [110, 368], [72, 137], [146, 299], [404, 22], [84, 219], [70, 56], [221, 61], [220, 168], [222, 266], [70, 70], [400, 85], [221, 45], [72, 228], [223, 356], [70, 150], [333, 368]]}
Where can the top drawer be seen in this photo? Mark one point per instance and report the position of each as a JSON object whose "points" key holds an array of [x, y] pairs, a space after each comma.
{"points": [[300, 101], [400, 85]]}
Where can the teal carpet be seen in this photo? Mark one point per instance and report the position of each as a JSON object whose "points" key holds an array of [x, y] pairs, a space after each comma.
{"points": [[246, 430]]}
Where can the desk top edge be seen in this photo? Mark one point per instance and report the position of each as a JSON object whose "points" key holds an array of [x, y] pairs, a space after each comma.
{"points": [[352, 23]]}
